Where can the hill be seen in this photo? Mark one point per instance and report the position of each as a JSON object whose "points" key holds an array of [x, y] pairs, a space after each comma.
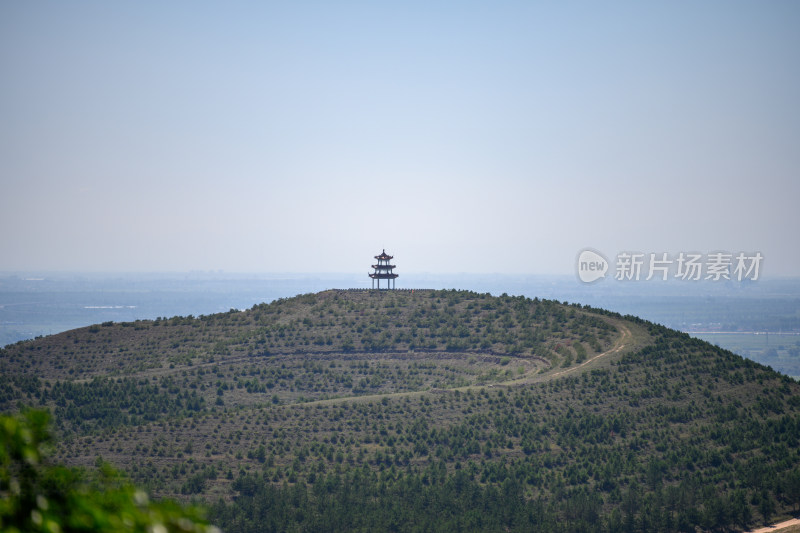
{"points": [[423, 410]]}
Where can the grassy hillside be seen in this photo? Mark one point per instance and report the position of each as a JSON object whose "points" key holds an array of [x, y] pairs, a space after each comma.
{"points": [[424, 410]]}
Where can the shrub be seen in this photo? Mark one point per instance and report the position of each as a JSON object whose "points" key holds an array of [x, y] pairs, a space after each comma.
{"points": [[37, 496]]}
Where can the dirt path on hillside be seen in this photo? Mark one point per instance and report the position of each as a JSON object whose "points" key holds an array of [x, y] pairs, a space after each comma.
{"points": [[619, 345], [777, 527]]}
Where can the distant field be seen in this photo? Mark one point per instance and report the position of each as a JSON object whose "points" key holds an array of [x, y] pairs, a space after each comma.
{"points": [[781, 351]]}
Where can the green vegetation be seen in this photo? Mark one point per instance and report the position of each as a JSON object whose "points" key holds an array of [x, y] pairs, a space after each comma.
{"points": [[424, 411], [37, 496], [330, 322]]}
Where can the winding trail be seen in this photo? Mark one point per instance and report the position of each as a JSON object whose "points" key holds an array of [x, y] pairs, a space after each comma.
{"points": [[619, 345], [777, 527], [531, 377]]}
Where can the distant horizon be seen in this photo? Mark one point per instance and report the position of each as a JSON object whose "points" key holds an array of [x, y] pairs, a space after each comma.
{"points": [[765, 277]]}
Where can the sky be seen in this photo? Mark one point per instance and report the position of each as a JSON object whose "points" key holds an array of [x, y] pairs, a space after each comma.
{"points": [[477, 137]]}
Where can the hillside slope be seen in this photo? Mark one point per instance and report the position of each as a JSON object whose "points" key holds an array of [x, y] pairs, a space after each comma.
{"points": [[428, 410]]}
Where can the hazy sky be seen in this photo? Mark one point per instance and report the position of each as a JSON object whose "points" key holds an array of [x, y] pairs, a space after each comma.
{"points": [[459, 136]]}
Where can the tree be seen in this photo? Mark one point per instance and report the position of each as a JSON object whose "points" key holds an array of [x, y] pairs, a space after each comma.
{"points": [[37, 496], [766, 505]]}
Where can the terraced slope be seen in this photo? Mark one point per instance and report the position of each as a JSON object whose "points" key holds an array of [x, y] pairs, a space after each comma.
{"points": [[428, 410]]}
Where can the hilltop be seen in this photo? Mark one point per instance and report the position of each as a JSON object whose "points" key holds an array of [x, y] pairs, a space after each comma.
{"points": [[429, 410]]}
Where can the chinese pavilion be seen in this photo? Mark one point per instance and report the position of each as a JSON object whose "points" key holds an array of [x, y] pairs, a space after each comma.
{"points": [[383, 270]]}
